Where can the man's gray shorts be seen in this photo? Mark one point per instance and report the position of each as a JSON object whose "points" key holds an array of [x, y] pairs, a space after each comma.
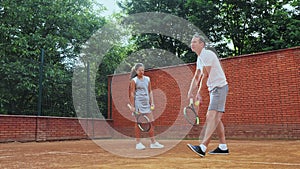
{"points": [[218, 98]]}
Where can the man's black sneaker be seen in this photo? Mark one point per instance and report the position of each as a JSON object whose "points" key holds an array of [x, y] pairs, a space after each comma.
{"points": [[197, 150], [219, 151]]}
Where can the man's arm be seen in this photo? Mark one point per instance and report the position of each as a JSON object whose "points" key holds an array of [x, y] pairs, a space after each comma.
{"points": [[194, 83], [203, 81]]}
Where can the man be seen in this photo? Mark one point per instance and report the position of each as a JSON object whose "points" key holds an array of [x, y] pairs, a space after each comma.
{"points": [[209, 72]]}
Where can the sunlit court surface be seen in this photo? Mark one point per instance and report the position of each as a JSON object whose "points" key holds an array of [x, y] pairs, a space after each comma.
{"points": [[244, 154]]}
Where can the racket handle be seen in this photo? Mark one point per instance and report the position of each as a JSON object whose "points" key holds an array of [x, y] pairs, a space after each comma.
{"points": [[191, 101], [129, 106]]}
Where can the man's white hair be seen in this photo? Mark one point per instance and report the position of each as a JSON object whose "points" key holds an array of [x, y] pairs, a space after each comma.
{"points": [[201, 38]]}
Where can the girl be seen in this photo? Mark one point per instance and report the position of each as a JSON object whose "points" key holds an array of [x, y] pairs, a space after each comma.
{"points": [[141, 97]]}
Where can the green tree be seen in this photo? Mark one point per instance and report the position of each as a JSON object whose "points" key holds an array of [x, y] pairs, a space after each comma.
{"points": [[158, 41], [26, 27], [101, 55], [275, 26], [254, 26], [113, 61], [250, 26]]}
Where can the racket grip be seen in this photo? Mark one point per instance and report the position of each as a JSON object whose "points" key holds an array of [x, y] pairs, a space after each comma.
{"points": [[135, 112], [191, 101]]}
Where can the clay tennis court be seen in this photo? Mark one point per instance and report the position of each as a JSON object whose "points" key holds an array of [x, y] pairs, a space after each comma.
{"points": [[279, 154]]}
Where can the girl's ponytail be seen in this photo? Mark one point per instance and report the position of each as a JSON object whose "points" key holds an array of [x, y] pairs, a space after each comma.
{"points": [[132, 73], [133, 70]]}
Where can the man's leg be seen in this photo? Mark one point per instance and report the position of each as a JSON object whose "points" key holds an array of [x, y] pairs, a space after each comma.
{"points": [[221, 132], [211, 123], [222, 148], [213, 119]]}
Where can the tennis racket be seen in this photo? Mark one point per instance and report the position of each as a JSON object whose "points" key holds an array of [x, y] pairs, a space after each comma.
{"points": [[190, 114], [143, 122]]}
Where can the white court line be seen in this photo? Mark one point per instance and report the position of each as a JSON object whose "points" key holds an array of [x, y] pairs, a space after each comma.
{"points": [[6, 150], [245, 162], [257, 162], [5, 157], [59, 152], [275, 163], [55, 152]]}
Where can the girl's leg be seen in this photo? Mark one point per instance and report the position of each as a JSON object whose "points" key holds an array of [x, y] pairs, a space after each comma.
{"points": [[137, 133], [151, 133], [154, 143]]}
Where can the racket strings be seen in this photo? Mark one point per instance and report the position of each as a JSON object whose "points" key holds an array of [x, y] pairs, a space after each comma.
{"points": [[191, 116], [144, 123]]}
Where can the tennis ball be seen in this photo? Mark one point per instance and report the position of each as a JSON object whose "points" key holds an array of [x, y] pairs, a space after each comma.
{"points": [[152, 108], [197, 103]]}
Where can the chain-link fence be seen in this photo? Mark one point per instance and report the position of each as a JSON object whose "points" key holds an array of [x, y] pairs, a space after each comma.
{"points": [[42, 87]]}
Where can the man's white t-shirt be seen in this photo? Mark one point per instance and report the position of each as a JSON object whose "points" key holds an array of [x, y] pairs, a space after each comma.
{"points": [[217, 76]]}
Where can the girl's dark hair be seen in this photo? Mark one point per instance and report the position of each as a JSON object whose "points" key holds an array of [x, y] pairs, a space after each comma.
{"points": [[133, 70]]}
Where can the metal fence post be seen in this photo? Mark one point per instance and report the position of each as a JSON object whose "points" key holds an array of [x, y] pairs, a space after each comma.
{"points": [[41, 83], [40, 97]]}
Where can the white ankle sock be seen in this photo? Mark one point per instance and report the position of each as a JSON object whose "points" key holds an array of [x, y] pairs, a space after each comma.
{"points": [[223, 146], [203, 147]]}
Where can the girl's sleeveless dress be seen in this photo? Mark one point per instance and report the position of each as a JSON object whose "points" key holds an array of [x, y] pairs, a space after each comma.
{"points": [[141, 97]]}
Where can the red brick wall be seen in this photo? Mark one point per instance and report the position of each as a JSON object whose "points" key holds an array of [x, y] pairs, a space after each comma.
{"points": [[263, 102], [32, 128], [263, 99]]}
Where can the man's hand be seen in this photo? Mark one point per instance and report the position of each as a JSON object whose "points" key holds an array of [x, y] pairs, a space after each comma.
{"points": [[199, 98], [190, 95]]}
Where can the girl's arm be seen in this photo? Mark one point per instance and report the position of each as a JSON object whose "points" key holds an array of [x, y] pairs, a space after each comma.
{"points": [[150, 94], [131, 94]]}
